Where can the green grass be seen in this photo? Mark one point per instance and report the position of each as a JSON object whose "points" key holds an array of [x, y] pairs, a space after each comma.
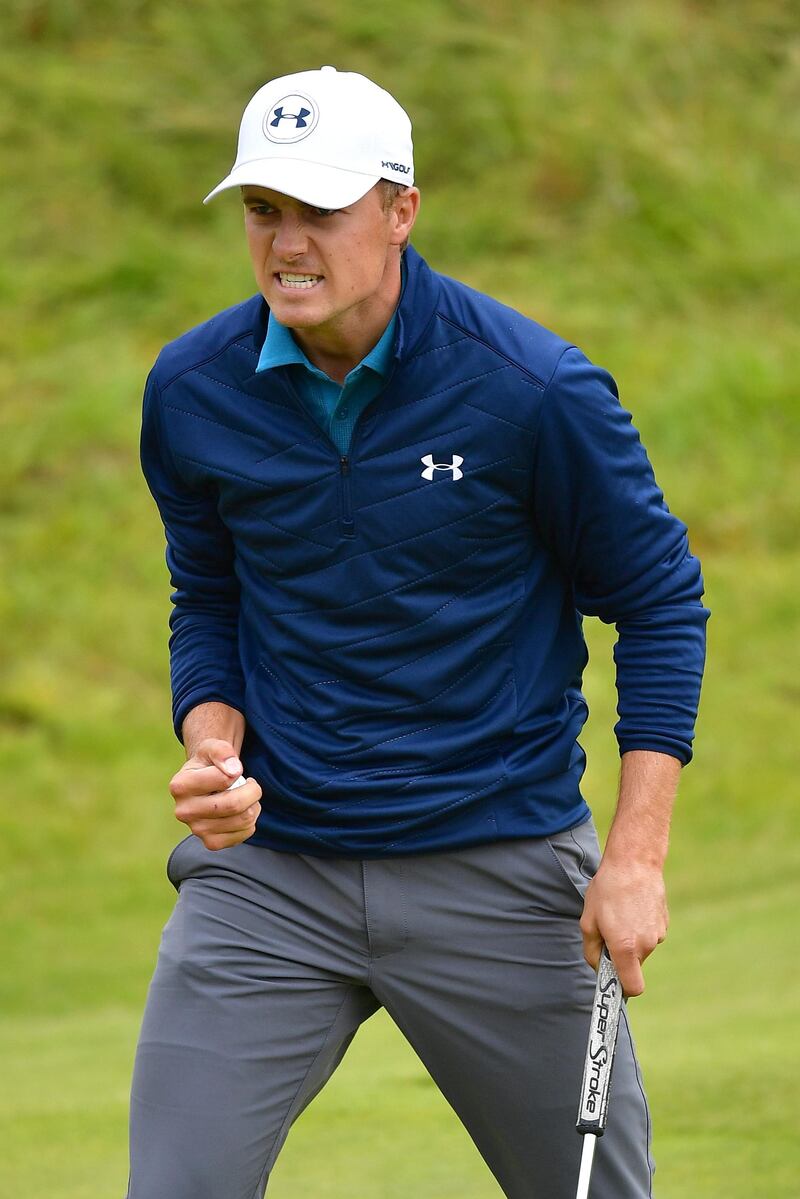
{"points": [[625, 173]]}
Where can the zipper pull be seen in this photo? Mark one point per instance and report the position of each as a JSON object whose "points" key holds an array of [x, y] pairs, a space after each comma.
{"points": [[348, 526]]}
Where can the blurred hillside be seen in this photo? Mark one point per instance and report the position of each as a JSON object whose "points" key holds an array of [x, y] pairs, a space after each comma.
{"points": [[629, 179], [627, 175]]}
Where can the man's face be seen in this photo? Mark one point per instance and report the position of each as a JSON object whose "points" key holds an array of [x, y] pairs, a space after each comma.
{"points": [[320, 268]]}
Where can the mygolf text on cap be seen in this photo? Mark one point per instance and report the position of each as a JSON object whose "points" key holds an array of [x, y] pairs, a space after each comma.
{"points": [[324, 137]]}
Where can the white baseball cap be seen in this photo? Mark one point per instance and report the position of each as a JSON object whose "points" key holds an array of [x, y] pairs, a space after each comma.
{"points": [[324, 137]]}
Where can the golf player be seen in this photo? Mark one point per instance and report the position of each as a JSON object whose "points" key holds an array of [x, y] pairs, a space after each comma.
{"points": [[389, 501]]}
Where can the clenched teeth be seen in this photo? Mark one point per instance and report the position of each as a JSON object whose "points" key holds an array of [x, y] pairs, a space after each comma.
{"points": [[298, 280]]}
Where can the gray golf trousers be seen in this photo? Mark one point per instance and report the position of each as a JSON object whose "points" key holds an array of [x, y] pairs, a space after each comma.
{"points": [[271, 961]]}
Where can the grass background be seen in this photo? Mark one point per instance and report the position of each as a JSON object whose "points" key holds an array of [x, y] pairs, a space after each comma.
{"points": [[626, 174]]}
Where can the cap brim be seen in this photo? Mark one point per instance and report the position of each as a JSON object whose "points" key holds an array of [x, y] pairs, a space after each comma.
{"points": [[322, 186]]}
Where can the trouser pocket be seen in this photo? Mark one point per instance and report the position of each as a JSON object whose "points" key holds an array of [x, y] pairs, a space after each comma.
{"points": [[577, 852], [173, 864]]}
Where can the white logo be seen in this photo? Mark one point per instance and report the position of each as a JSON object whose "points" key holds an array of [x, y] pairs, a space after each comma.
{"points": [[431, 466], [291, 119]]}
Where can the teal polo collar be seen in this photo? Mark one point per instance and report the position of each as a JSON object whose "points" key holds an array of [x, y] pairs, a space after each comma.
{"points": [[281, 349]]}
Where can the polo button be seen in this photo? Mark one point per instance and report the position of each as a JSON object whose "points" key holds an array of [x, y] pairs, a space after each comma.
{"points": [[341, 414]]}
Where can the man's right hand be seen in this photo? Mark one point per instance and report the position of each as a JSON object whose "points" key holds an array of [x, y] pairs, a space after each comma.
{"points": [[220, 818]]}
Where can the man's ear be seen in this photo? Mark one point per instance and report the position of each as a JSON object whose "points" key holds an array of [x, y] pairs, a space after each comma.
{"points": [[404, 214]]}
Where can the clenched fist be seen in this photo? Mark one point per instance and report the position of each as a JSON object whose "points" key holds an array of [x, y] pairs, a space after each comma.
{"points": [[220, 817]]}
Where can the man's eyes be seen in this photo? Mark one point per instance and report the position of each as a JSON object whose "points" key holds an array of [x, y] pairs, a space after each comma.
{"points": [[268, 210]]}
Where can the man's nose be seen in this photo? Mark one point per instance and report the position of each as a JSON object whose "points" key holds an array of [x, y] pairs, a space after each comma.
{"points": [[290, 239]]}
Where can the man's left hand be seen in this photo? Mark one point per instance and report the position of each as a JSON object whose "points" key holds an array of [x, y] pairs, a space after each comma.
{"points": [[625, 907]]}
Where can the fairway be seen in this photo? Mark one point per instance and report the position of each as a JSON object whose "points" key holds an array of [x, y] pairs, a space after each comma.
{"points": [[629, 178]]}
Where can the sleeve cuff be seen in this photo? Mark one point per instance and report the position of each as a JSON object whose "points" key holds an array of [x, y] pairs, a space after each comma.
{"points": [[194, 698], [659, 745]]}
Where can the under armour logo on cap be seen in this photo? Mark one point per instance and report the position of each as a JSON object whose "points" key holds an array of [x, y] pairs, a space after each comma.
{"points": [[431, 466], [291, 119], [299, 117]]}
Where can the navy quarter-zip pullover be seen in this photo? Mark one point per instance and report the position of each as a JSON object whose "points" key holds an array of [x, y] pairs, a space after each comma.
{"points": [[401, 626]]}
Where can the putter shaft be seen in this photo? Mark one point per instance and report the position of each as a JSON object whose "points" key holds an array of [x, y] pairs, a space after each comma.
{"points": [[587, 1156]]}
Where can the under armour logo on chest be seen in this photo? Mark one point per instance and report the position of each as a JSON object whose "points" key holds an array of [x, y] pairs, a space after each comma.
{"points": [[298, 117], [431, 466]]}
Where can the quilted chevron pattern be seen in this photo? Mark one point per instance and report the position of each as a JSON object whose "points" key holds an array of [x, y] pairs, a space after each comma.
{"points": [[407, 651]]}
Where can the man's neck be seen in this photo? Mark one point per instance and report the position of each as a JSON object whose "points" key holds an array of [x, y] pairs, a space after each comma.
{"points": [[339, 347]]}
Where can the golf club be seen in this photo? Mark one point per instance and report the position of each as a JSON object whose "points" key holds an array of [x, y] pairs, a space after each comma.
{"points": [[602, 1043]]}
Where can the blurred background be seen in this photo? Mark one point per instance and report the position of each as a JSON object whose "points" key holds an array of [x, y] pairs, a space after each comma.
{"points": [[626, 174]]}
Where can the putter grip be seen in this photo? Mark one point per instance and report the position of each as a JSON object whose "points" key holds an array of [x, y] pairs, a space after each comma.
{"points": [[600, 1049]]}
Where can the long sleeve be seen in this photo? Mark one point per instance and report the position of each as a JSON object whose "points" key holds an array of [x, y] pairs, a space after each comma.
{"points": [[204, 649], [602, 516]]}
